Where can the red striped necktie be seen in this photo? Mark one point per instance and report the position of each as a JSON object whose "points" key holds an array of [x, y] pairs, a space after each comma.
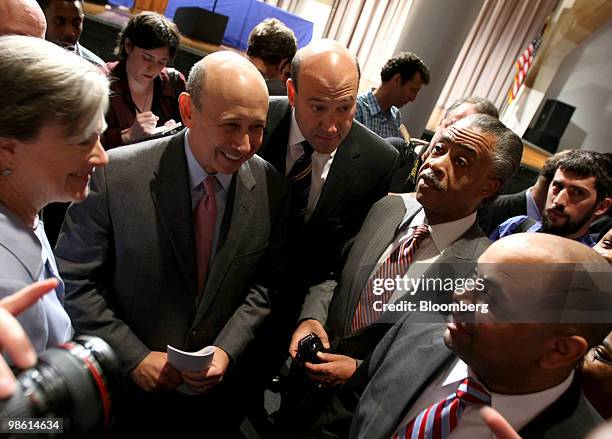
{"points": [[440, 419], [395, 265]]}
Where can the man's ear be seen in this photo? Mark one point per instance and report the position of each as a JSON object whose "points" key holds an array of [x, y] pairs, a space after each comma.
{"points": [[491, 186], [564, 351], [396, 79], [8, 148], [602, 207], [291, 92], [186, 109]]}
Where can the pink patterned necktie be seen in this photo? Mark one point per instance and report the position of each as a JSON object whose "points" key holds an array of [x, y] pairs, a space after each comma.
{"points": [[395, 265], [438, 420], [204, 220]]}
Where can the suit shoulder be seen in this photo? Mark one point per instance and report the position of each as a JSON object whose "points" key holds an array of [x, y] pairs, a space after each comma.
{"points": [[258, 164], [278, 106], [138, 150], [372, 144], [390, 203]]}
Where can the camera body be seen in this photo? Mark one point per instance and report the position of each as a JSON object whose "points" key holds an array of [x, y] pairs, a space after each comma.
{"points": [[308, 348], [78, 381]]}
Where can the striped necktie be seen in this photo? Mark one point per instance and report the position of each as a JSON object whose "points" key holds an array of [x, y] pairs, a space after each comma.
{"points": [[300, 177], [438, 420], [395, 265]]}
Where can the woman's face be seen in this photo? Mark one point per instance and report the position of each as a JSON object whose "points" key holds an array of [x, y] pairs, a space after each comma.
{"points": [[143, 65], [56, 168]]}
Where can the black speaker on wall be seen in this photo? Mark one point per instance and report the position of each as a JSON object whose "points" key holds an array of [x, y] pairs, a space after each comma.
{"points": [[201, 24], [551, 125]]}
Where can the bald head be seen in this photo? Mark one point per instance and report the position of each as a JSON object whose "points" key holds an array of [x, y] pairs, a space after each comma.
{"points": [[327, 54], [225, 72], [540, 248], [22, 17], [225, 109], [564, 280], [324, 102]]}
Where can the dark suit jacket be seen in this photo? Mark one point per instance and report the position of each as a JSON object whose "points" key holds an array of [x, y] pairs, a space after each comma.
{"points": [[127, 255], [411, 355], [502, 208], [360, 175]]}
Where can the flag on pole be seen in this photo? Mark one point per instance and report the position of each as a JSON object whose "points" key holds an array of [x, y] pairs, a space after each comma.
{"points": [[522, 64]]}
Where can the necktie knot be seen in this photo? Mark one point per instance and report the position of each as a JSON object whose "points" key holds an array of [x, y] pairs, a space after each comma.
{"points": [[210, 185], [472, 391], [308, 149], [440, 419]]}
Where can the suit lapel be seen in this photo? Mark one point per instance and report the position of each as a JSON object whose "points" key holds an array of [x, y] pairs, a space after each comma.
{"points": [[460, 256], [343, 172], [172, 199], [238, 223], [422, 363], [384, 234]]}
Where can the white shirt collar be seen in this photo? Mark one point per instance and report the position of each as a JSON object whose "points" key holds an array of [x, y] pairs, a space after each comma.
{"points": [[295, 135], [443, 234], [518, 410]]}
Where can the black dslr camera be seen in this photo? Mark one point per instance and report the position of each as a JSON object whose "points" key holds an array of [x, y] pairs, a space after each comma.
{"points": [[308, 348], [78, 381]]}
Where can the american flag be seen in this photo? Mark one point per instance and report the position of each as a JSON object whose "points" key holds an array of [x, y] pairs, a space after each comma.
{"points": [[523, 63]]}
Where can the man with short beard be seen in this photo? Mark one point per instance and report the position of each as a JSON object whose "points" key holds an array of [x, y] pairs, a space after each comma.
{"points": [[580, 192]]}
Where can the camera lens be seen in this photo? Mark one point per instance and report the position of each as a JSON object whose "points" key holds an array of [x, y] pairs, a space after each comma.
{"points": [[76, 381]]}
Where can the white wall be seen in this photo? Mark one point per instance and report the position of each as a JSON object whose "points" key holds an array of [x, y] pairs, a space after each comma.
{"points": [[584, 80], [435, 30]]}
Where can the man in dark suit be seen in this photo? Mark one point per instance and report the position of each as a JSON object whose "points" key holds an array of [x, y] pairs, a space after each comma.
{"points": [[473, 159], [177, 246], [522, 360], [349, 169]]}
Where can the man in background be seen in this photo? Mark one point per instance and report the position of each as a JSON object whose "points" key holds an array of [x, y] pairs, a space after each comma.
{"points": [[65, 25], [579, 193], [402, 78], [271, 48]]}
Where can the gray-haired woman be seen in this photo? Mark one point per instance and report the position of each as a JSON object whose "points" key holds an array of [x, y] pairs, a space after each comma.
{"points": [[53, 106]]}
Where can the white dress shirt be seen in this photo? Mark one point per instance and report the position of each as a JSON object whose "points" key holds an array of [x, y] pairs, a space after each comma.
{"points": [[321, 164], [441, 236], [518, 410]]}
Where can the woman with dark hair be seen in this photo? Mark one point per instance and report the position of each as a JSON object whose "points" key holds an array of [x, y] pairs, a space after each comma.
{"points": [[144, 92]]}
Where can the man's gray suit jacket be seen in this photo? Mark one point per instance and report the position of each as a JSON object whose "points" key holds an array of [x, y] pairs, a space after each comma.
{"points": [[377, 233], [411, 355], [127, 255]]}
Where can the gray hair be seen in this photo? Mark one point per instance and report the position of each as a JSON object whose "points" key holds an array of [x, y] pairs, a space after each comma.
{"points": [[42, 83], [506, 157], [481, 105], [195, 83]]}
